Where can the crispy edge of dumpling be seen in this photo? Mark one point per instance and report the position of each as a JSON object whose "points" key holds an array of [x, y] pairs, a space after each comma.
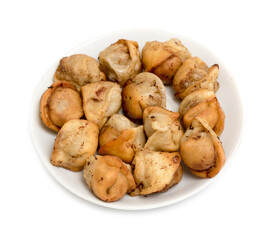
{"points": [[202, 103], [198, 126], [135, 62], [123, 146], [76, 161], [205, 110], [105, 91], [164, 58], [176, 178], [209, 82], [45, 99], [159, 163], [133, 102], [113, 127], [110, 183], [155, 53], [172, 132], [68, 67]]}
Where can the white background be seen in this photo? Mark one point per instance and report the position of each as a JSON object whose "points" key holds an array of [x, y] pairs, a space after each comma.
{"points": [[240, 204]]}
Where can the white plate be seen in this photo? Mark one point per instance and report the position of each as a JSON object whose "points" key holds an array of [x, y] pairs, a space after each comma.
{"points": [[228, 97]]}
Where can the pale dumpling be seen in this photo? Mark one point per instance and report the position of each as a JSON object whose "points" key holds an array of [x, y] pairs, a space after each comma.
{"points": [[162, 128], [79, 69], [155, 171], [76, 141], [121, 61], [164, 58], [194, 75], [201, 150], [108, 177], [100, 101], [145, 90], [204, 104], [120, 137], [60, 103]]}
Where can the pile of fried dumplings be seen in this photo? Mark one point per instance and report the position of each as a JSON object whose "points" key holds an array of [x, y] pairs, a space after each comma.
{"points": [[141, 151]]}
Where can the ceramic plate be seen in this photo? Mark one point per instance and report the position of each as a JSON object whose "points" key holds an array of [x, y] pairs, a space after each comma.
{"points": [[227, 95]]}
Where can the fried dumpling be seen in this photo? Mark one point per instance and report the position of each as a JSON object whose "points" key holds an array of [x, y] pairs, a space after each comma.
{"points": [[155, 171], [120, 137], [108, 177], [201, 150], [121, 61], [194, 75], [60, 103], [145, 90], [76, 141], [162, 128], [204, 104], [100, 101], [164, 58], [79, 69]]}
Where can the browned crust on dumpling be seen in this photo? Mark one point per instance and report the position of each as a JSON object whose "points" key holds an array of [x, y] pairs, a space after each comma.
{"points": [[76, 141], [194, 75], [164, 58], [121, 61], [155, 171], [120, 137], [204, 104], [60, 103], [101, 100], [79, 69], [108, 177], [162, 128], [176, 178], [201, 150], [121, 146], [145, 90]]}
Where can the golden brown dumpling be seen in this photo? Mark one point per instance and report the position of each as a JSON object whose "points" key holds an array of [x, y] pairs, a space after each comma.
{"points": [[79, 69], [76, 141], [120, 137], [194, 75], [108, 177], [201, 150], [204, 104], [121, 61], [162, 128], [100, 101], [145, 90], [60, 103], [155, 171], [164, 58]]}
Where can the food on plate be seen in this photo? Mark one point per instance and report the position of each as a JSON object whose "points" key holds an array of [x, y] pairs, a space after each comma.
{"points": [[83, 106], [76, 141], [164, 58], [201, 150], [100, 101], [121, 138], [162, 128], [204, 104], [121, 61], [108, 177], [79, 69], [60, 103], [155, 171], [194, 75], [145, 90]]}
